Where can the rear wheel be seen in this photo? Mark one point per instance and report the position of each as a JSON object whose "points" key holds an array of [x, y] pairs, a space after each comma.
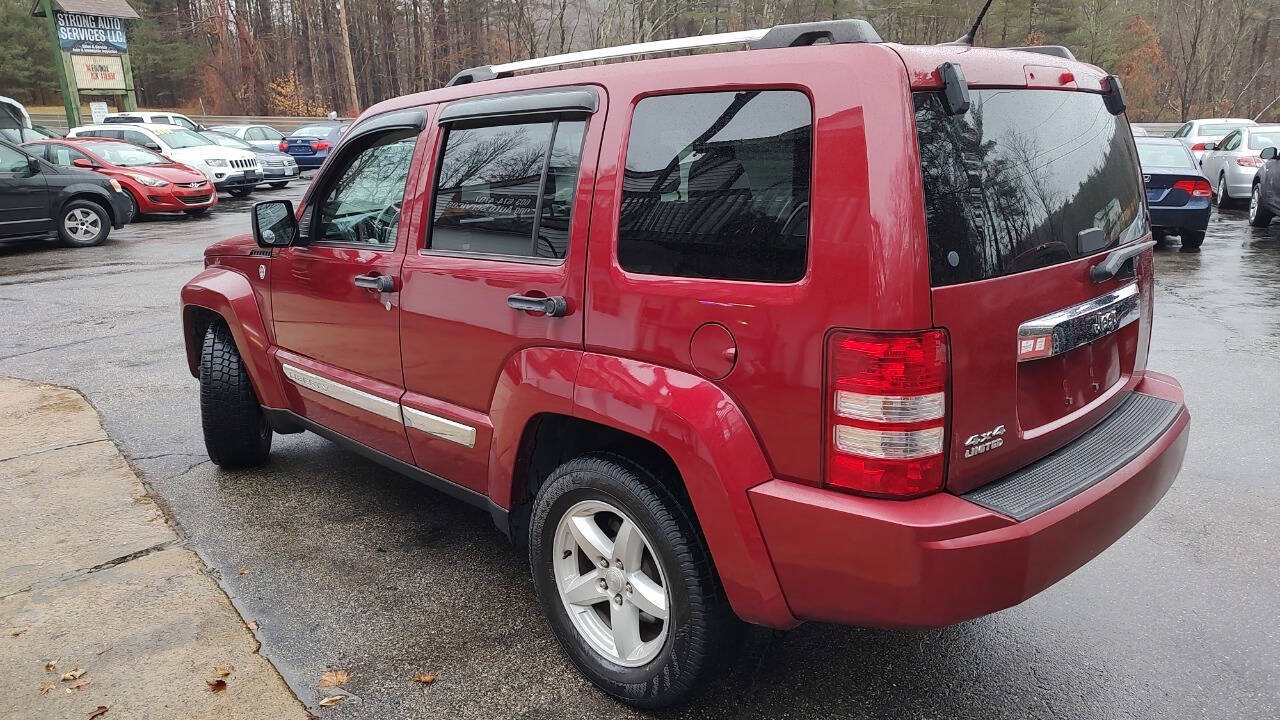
{"points": [[626, 583], [1259, 216], [83, 223], [236, 433], [1192, 239], [1160, 236]]}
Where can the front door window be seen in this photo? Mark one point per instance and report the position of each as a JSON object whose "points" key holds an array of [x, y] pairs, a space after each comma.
{"points": [[362, 207]]}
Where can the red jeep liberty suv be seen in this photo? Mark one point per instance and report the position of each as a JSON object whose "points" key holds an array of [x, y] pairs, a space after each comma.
{"points": [[825, 328]]}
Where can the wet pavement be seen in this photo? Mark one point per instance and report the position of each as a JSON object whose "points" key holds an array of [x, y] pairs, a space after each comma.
{"points": [[349, 566]]}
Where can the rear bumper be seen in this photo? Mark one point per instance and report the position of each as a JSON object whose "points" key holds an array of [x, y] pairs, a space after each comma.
{"points": [[941, 559], [1188, 217]]}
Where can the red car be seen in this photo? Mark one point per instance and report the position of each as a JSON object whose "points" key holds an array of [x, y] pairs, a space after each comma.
{"points": [[154, 183], [801, 332]]}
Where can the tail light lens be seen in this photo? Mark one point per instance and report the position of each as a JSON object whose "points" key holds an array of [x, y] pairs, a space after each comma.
{"points": [[1249, 161], [319, 145], [886, 412], [284, 146], [1194, 188], [1198, 146]]}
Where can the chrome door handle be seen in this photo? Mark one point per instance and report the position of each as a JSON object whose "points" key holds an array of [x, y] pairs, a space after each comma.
{"points": [[381, 283], [555, 306]]}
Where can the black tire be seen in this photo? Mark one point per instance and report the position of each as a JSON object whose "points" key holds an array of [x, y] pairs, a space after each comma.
{"points": [[241, 192], [702, 626], [1192, 240], [280, 185], [236, 433], [104, 223], [1160, 236], [1222, 195], [134, 213], [199, 212], [1259, 215]]}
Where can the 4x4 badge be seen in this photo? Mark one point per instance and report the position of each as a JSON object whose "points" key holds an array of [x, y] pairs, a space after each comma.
{"points": [[982, 442]]}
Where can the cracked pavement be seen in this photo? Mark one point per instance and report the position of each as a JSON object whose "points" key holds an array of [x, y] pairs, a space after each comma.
{"points": [[350, 566]]}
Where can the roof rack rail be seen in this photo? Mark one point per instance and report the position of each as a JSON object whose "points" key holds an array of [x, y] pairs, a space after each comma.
{"points": [[1054, 50], [778, 36]]}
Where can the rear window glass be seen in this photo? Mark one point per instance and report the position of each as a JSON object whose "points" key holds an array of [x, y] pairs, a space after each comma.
{"points": [[1217, 130], [717, 186], [1164, 155], [1262, 141], [1010, 185], [315, 131]]}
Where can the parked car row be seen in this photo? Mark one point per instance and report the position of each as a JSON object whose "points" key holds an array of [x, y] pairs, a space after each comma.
{"points": [[1222, 161]]}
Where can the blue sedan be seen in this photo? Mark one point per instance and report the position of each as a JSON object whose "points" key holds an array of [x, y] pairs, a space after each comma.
{"points": [[1177, 194], [311, 144]]}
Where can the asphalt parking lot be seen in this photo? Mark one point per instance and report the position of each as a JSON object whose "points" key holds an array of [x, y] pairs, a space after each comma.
{"points": [[346, 565]]}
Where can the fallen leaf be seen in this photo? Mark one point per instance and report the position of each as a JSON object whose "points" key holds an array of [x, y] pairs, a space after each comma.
{"points": [[16, 633], [223, 670], [216, 685], [244, 571], [80, 685], [103, 650], [334, 678], [98, 712], [425, 678], [50, 665], [253, 625], [331, 700], [46, 688], [74, 674]]}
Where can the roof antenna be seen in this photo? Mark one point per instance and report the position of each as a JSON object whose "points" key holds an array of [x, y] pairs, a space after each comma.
{"points": [[967, 38]]}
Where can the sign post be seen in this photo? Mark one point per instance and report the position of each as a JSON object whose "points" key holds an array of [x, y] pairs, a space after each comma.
{"points": [[91, 53]]}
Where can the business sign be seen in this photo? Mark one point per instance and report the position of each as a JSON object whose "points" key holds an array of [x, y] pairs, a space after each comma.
{"points": [[91, 34], [98, 72], [98, 110]]}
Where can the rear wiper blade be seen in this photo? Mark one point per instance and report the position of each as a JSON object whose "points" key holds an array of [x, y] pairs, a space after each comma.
{"points": [[1108, 268]]}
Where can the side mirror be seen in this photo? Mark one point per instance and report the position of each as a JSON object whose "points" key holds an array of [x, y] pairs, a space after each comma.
{"points": [[274, 224], [154, 147], [1210, 146], [1269, 153], [33, 165], [85, 163]]}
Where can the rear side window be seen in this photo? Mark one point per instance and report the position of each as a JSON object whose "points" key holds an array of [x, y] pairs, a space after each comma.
{"points": [[507, 189], [717, 186], [1010, 185]]}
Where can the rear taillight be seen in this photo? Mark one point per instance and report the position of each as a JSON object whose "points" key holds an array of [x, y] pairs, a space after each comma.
{"points": [[1249, 161], [1194, 188], [319, 145], [1198, 146], [284, 146], [886, 412]]}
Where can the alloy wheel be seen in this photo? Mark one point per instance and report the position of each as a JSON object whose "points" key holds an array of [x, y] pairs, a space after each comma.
{"points": [[82, 224], [1253, 202], [611, 583]]}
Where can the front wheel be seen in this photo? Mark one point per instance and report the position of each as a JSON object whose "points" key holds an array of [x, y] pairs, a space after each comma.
{"points": [[1223, 198], [1259, 216], [236, 433], [626, 582], [280, 185], [1192, 240], [83, 223], [241, 192]]}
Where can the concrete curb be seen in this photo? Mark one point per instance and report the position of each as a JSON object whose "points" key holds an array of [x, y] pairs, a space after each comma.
{"points": [[93, 579]]}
